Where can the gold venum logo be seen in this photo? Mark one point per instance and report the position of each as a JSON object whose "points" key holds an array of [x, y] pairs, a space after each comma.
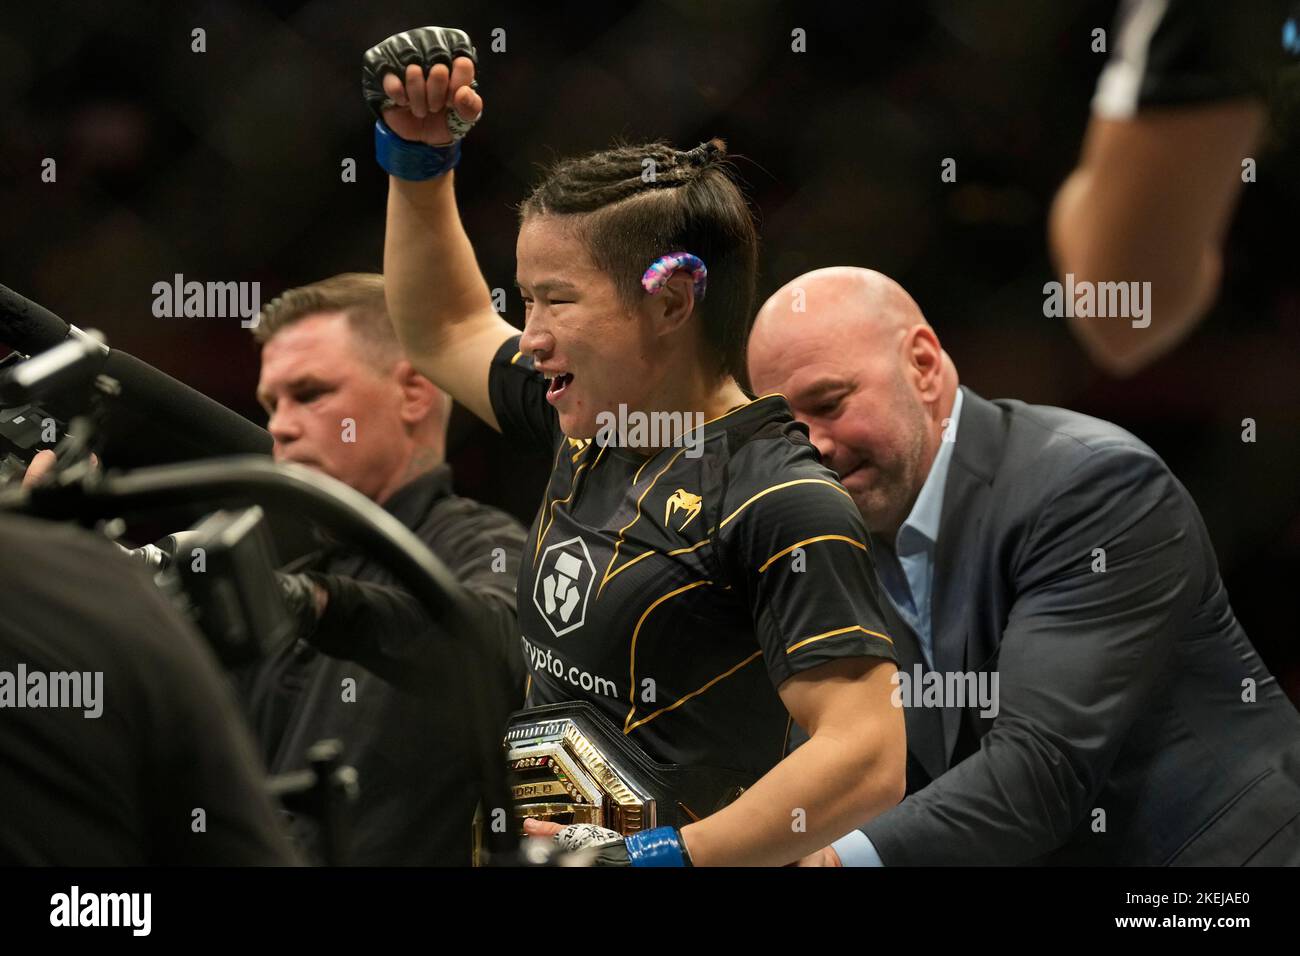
{"points": [[682, 500]]}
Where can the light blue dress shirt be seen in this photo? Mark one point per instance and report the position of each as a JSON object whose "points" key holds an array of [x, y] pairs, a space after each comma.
{"points": [[908, 582]]}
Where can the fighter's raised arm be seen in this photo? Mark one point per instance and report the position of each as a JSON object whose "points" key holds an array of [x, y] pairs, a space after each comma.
{"points": [[420, 85]]}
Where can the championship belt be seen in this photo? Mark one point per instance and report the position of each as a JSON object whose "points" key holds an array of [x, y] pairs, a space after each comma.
{"points": [[568, 763]]}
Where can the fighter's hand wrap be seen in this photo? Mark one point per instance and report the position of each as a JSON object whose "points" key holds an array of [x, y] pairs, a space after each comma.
{"points": [[425, 47], [661, 846], [414, 161]]}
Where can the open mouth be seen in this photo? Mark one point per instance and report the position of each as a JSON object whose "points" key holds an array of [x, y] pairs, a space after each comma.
{"points": [[558, 386]]}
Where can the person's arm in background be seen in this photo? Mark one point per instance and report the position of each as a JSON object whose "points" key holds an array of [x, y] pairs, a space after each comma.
{"points": [[1151, 201], [1079, 656]]}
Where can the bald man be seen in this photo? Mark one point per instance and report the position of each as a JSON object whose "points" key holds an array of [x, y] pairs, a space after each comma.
{"points": [[1076, 687]]}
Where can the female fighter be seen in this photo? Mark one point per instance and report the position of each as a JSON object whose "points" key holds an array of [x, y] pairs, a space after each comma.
{"points": [[705, 593]]}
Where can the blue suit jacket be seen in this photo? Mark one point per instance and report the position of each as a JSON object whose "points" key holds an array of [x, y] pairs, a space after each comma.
{"points": [[1125, 691]]}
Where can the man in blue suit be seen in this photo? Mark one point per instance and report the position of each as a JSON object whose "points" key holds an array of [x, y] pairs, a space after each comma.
{"points": [[1077, 688]]}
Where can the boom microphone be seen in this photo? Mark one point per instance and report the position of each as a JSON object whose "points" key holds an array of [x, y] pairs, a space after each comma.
{"points": [[156, 419], [155, 409]]}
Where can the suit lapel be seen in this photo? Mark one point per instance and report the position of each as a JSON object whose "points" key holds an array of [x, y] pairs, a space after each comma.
{"points": [[965, 502]]}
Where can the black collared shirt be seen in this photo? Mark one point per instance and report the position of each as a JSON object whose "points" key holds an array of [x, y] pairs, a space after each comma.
{"points": [[352, 679]]}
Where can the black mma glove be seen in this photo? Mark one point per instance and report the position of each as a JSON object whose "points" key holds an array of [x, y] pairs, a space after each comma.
{"points": [[424, 46]]}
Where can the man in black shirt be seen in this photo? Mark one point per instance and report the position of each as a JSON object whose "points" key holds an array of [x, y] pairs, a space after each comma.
{"points": [[341, 398], [135, 753]]}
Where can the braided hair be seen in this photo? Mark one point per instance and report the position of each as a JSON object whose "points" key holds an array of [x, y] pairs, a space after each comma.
{"points": [[634, 203]]}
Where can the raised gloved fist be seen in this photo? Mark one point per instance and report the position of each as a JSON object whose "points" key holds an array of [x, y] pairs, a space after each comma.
{"points": [[420, 83]]}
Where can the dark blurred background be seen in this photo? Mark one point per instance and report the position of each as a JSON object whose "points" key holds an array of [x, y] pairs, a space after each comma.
{"points": [[226, 166]]}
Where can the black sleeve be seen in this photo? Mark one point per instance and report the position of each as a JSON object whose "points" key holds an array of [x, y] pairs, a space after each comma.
{"points": [[1184, 52], [1079, 657], [386, 629], [792, 541], [518, 395]]}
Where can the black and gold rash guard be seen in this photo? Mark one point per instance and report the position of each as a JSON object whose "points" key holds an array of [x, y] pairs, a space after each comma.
{"points": [[677, 592]]}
